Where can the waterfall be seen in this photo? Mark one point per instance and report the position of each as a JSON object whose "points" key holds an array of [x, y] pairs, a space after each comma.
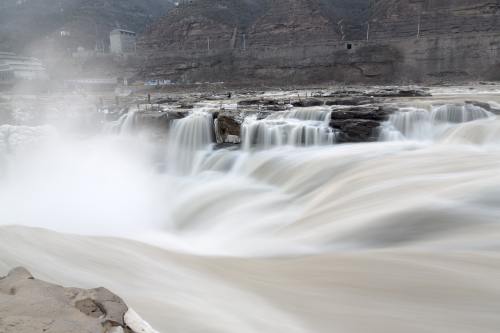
{"points": [[129, 122], [311, 113], [423, 125], [125, 125], [246, 240], [304, 127], [187, 138]]}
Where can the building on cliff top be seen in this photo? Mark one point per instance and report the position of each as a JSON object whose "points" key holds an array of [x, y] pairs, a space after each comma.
{"points": [[122, 41]]}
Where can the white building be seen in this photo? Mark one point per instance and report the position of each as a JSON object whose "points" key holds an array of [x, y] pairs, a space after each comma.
{"points": [[14, 68], [122, 41]]}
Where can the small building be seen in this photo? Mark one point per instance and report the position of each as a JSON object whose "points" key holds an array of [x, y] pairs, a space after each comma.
{"points": [[17, 68], [122, 41]]}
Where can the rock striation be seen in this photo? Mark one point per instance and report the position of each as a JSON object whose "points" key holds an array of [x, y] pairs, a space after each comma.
{"points": [[310, 41], [28, 305]]}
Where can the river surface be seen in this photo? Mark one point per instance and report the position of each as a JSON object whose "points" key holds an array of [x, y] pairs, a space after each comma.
{"points": [[291, 233]]}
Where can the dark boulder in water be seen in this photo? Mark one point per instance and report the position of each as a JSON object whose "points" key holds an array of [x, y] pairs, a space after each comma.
{"points": [[308, 102], [359, 123], [356, 130], [353, 100], [228, 128]]}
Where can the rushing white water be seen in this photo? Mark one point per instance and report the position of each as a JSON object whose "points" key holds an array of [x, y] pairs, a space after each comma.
{"points": [[125, 125], [301, 127], [188, 138], [422, 124], [398, 236]]}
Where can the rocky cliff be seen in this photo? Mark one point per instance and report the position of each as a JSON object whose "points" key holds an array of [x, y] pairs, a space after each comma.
{"points": [[307, 41]]}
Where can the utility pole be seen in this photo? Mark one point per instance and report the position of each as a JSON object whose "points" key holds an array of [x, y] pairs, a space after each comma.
{"points": [[208, 43], [418, 27], [368, 31], [244, 41]]}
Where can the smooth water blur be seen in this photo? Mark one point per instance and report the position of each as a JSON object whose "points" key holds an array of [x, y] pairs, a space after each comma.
{"points": [[425, 125], [300, 127], [393, 236]]}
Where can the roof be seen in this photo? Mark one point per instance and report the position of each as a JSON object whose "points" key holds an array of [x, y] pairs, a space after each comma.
{"points": [[119, 31]]}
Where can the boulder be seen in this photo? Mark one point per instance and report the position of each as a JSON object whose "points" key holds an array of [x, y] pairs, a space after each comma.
{"points": [[356, 130], [228, 128], [261, 101], [359, 123], [308, 102], [398, 92], [29, 305], [353, 100], [367, 112]]}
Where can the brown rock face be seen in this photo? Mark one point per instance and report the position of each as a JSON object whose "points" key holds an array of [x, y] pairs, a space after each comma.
{"points": [[292, 22], [309, 41], [241, 39]]}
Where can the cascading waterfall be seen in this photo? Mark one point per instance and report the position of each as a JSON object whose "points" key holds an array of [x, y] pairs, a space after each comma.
{"points": [[125, 125], [303, 127], [422, 125], [189, 137], [128, 122], [246, 240]]}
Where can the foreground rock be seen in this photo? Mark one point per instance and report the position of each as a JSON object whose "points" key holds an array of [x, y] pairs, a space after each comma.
{"points": [[359, 123], [28, 305]]}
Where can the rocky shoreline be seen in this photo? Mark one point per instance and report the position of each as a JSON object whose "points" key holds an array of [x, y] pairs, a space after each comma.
{"points": [[29, 305]]}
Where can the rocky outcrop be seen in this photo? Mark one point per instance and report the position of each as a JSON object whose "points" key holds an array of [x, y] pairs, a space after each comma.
{"points": [[309, 41], [359, 123], [29, 305], [258, 40], [228, 129]]}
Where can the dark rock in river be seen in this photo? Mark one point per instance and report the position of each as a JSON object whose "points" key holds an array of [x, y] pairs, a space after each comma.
{"points": [[359, 123], [308, 102], [353, 100], [228, 128], [356, 130]]}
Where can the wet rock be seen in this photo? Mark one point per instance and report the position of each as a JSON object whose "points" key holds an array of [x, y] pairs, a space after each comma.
{"points": [[356, 130], [228, 128], [353, 100], [262, 101], [186, 105], [359, 123], [166, 100], [276, 107], [398, 92], [308, 102], [29, 305], [249, 102], [368, 112]]}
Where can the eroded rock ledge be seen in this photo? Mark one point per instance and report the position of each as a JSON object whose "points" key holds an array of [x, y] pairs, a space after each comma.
{"points": [[29, 305]]}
